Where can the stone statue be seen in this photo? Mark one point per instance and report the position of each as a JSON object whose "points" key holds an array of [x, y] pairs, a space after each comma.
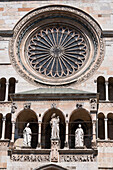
{"points": [[79, 137], [54, 126], [27, 136]]}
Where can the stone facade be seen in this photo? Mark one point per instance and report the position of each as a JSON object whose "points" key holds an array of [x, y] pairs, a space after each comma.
{"points": [[34, 99]]}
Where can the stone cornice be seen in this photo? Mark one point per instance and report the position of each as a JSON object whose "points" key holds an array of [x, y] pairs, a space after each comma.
{"points": [[58, 96]]}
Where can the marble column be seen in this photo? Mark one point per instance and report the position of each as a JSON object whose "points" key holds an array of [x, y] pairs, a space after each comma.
{"points": [[13, 131], [66, 140], [6, 93], [106, 84], [106, 129], [39, 134], [3, 127], [94, 130]]}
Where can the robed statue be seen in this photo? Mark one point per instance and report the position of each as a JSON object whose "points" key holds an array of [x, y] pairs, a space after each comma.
{"points": [[27, 136], [54, 126], [79, 137]]}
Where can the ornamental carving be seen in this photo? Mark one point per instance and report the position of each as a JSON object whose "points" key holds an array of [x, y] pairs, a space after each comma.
{"points": [[56, 45], [77, 158], [30, 158]]}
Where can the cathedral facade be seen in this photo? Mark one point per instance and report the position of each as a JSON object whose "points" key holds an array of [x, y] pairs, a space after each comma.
{"points": [[56, 85]]}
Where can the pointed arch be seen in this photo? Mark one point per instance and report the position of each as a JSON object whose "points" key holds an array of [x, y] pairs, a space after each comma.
{"points": [[27, 116], [80, 116], [46, 128]]}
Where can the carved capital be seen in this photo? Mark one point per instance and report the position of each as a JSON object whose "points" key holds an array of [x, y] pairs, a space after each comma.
{"points": [[4, 118]]}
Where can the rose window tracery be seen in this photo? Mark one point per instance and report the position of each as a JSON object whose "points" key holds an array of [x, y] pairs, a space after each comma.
{"points": [[57, 51]]}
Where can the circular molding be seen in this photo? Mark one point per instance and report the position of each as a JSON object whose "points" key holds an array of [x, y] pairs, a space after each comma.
{"points": [[56, 45]]}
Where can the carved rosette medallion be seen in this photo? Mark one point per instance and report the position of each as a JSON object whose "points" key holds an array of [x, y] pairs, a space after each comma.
{"points": [[56, 45]]}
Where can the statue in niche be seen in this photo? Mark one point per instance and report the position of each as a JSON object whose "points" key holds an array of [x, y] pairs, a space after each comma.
{"points": [[54, 126], [27, 136], [79, 137]]}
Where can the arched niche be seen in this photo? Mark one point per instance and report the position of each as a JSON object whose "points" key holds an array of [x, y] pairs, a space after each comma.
{"points": [[110, 88], [110, 125], [11, 89], [1, 116], [101, 88], [46, 128], [8, 126], [101, 126], [24, 117], [80, 116], [51, 167], [2, 89]]}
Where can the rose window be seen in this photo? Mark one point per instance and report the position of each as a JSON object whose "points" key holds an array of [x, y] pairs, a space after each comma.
{"points": [[56, 45], [57, 51]]}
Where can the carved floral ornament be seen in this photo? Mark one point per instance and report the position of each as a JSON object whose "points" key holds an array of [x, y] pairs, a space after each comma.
{"points": [[56, 45]]}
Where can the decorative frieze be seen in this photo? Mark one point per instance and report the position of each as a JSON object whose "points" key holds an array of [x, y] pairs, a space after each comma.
{"points": [[46, 158], [103, 105], [77, 158], [105, 144], [30, 158]]}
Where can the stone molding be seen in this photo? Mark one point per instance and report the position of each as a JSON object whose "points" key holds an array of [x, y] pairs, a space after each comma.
{"points": [[76, 155], [22, 28]]}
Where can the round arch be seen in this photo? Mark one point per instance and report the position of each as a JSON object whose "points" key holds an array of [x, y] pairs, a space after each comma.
{"points": [[110, 88], [46, 128], [12, 83], [101, 126], [110, 125], [27, 116], [2, 88], [1, 116], [8, 126], [80, 116], [101, 87]]}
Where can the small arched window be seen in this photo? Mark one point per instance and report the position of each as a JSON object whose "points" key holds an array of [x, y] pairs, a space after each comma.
{"points": [[101, 126], [1, 125], [110, 125], [8, 126], [2, 89], [12, 82], [101, 88], [110, 88]]}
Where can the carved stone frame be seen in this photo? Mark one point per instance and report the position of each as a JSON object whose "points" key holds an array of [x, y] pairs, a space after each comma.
{"points": [[22, 30]]}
